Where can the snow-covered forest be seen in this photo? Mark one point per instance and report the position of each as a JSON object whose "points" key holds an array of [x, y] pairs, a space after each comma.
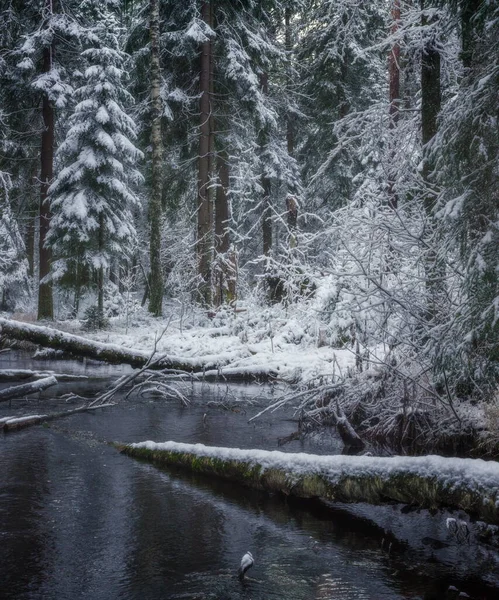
{"points": [[304, 186]]}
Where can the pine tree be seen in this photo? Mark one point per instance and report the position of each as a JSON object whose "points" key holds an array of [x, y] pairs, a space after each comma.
{"points": [[40, 50], [92, 197]]}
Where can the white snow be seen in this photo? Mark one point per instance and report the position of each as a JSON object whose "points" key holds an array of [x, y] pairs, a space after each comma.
{"points": [[475, 474], [14, 420]]}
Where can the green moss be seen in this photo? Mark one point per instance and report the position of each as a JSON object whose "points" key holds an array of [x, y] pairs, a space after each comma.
{"points": [[409, 488]]}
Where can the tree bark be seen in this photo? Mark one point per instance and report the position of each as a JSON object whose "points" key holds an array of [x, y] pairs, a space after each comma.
{"points": [[292, 212], [204, 227], [429, 482], [45, 299], [225, 273], [430, 108], [266, 185], [290, 132], [469, 9], [394, 75], [100, 272], [155, 204]]}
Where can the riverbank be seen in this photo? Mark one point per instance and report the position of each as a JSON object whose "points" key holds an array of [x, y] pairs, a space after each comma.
{"points": [[386, 402]]}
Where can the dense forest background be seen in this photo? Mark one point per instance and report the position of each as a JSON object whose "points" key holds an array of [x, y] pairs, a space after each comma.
{"points": [[268, 152]]}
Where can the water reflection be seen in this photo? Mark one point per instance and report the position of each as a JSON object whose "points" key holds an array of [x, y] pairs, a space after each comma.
{"points": [[78, 520]]}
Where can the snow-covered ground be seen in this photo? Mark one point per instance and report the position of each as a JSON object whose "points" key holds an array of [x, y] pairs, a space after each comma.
{"points": [[250, 340]]}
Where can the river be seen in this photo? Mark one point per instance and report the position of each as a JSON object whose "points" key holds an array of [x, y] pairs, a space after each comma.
{"points": [[78, 520]]}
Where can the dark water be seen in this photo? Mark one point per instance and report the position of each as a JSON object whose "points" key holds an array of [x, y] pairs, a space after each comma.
{"points": [[79, 520]]}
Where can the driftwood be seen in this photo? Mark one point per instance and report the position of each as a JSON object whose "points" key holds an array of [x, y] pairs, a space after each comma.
{"points": [[18, 391], [15, 423], [20, 374], [426, 481]]}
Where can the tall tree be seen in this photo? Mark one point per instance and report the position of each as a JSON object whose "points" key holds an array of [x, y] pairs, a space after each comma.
{"points": [[430, 109], [466, 152], [92, 197], [394, 91], [45, 299], [204, 209], [155, 208]]}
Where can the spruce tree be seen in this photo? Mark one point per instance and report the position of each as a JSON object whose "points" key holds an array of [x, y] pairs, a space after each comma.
{"points": [[93, 195]]}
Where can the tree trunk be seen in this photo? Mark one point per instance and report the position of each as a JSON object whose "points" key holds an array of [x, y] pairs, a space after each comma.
{"points": [[204, 228], [469, 9], [430, 108], [100, 273], [426, 481], [155, 205], [19, 391], [266, 185], [45, 299], [15, 424], [290, 132], [394, 74], [225, 270], [292, 213], [211, 369]]}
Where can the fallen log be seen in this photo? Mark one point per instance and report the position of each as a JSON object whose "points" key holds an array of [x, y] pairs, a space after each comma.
{"points": [[18, 391], [15, 423], [80, 346], [20, 374], [426, 481], [211, 369]]}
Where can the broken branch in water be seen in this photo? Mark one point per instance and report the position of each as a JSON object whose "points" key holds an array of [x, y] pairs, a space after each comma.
{"points": [[19, 391], [20, 374], [16, 423]]}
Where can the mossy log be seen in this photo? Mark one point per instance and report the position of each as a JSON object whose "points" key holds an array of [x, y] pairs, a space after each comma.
{"points": [[428, 481]]}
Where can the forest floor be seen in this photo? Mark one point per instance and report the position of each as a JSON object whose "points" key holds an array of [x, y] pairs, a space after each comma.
{"points": [[293, 345], [251, 339]]}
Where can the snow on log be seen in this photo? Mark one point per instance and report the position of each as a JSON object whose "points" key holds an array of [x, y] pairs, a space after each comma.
{"points": [[241, 374], [16, 423], [19, 374], [203, 368], [427, 481], [18, 391], [15, 374], [80, 346]]}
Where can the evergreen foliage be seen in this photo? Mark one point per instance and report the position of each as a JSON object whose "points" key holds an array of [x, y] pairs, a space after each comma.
{"points": [[349, 158], [93, 195]]}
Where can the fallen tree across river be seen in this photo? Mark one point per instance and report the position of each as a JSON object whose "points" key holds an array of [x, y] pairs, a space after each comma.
{"points": [[426, 481], [211, 369]]}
